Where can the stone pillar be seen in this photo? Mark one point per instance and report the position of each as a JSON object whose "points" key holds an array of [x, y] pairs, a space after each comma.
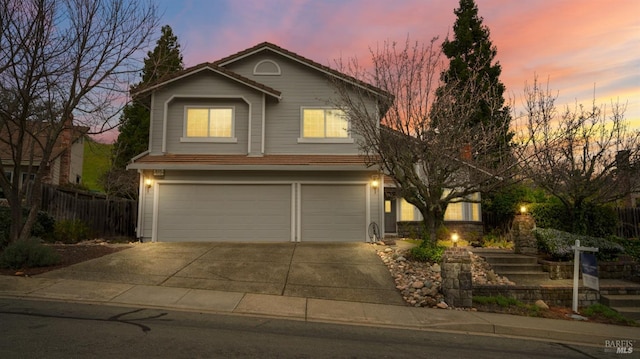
{"points": [[523, 239], [456, 277]]}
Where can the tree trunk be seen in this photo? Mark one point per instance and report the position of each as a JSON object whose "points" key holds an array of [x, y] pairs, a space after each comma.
{"points": [[432, 219]]}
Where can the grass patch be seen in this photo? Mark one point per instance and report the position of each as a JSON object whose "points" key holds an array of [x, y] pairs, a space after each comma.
{"points": [[602, 311], [97, 161]]}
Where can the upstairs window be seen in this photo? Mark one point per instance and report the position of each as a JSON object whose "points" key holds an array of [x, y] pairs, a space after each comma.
{"points": [[319, 123], [209, 122]]}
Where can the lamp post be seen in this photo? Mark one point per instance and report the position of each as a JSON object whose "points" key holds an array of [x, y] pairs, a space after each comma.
{"points": [[454, 239]]}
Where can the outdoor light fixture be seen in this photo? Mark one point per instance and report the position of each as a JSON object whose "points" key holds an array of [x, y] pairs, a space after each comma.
{"points": [[147, 183], [454, 239], [523, 209], [375, 183]]}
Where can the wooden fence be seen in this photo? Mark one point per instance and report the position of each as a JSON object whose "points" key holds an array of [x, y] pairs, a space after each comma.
{"points": [[629, 222], [105, 217]]}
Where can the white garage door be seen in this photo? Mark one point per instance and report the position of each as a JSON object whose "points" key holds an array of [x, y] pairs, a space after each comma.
{"points": [[224, 212], [334, 213]]}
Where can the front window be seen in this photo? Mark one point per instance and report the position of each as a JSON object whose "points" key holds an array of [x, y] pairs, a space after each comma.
{"points": [[318, 123], [216, 122]]}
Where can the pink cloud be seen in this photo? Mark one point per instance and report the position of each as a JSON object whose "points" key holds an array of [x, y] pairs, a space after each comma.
{"points": [[574, 43]]}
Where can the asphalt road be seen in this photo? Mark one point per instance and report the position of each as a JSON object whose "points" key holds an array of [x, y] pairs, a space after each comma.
{"points": [[41, 329]]}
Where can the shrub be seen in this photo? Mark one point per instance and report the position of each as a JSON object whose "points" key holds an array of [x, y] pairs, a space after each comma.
{"points": [[558, 244], [493, 240], [631, 246], [427, 252], [28, 253], [43, 227], [598, 221], [70, 231]]}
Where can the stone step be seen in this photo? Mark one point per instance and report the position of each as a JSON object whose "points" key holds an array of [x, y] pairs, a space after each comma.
{"points": [[509, 258], [516, 268], [525, 277], [620, 300]]}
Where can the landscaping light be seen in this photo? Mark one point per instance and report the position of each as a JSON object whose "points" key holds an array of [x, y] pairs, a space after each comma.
{"points": [[523, 209], [454, 239]]}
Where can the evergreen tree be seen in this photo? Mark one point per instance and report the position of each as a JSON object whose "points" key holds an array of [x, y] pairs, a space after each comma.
{"points": [[472, 70], [134, 122]]}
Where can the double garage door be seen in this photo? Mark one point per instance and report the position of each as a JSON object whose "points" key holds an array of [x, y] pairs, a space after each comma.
{"points": [[261, 212]]}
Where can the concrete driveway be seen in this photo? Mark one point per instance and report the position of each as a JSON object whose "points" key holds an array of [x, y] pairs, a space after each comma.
{"points": [[336, 271]]}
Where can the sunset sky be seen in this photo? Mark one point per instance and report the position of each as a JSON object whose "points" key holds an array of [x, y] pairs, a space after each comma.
{"points": [[575, 44]]}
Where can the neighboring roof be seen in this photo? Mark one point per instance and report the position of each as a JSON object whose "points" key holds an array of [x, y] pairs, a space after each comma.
{"points": [[301, 59], [203, 67], [189, 161]]}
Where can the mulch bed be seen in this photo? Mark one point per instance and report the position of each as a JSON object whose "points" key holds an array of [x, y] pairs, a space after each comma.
{"points": [[69, 254]]}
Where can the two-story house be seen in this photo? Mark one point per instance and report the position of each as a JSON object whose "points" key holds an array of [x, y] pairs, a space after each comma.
{"points": [[249, 148]]}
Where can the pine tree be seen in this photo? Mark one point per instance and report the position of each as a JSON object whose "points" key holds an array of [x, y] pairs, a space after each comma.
{"points": [[134, 122], [472, 70]]}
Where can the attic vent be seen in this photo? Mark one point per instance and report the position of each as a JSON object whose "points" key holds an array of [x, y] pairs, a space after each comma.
{"points": [[266, 67]]}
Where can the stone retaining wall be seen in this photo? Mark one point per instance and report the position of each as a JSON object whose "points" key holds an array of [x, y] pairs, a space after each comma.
{"points": [[556, 296]]}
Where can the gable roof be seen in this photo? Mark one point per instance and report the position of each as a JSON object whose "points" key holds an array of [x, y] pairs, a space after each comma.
{"points": [[207, 66], [218, 67], [303, 60]]}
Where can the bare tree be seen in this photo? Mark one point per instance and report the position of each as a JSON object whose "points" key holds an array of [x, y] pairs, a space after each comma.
{"points": [[583, 155], [432, 163], [63, 64]]}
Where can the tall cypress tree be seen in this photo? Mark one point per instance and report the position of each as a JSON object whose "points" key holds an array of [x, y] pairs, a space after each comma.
{"points": [[134, 122], [472, 70]]}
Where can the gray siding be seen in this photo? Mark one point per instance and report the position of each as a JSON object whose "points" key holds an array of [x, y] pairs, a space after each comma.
{"points": [[203, 88], [301, 86]]}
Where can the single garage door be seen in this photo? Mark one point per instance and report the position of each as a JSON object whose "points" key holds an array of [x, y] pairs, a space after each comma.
{"points": [[224, 212], [335, 213]]}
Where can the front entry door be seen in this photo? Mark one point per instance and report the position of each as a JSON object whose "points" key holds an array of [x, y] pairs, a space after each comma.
{"points": [[390, 217]]}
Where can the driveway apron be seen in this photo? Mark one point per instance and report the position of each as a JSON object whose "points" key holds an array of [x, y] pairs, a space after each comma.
{"points": [[335, 271]]}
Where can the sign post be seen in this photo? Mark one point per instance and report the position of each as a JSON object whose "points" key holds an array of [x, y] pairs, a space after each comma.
{"points": [[576, 270]]}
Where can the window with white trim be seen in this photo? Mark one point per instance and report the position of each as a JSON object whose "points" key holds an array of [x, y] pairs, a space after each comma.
{"points": [[456, 211], [209, 122], [324, 123]]}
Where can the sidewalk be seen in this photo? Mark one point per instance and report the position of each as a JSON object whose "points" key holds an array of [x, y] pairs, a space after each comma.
{"points": [[313, 310]]}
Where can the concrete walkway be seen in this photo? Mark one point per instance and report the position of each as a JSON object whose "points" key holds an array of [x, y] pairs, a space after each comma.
{"points": [[206, 278]]}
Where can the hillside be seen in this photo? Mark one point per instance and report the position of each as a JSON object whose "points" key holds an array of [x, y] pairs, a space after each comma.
{"points": [[97, 160]]}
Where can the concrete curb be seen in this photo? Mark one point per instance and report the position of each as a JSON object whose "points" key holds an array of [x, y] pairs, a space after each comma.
{"points": [[314, 310]]}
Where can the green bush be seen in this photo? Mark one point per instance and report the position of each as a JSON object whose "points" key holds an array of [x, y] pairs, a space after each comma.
{"points": [[598, 220], [503, 205], [631, 246], [70, 231], [493, 240], [43, 227], [558, 244], [27, 254], [427, 252]]}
